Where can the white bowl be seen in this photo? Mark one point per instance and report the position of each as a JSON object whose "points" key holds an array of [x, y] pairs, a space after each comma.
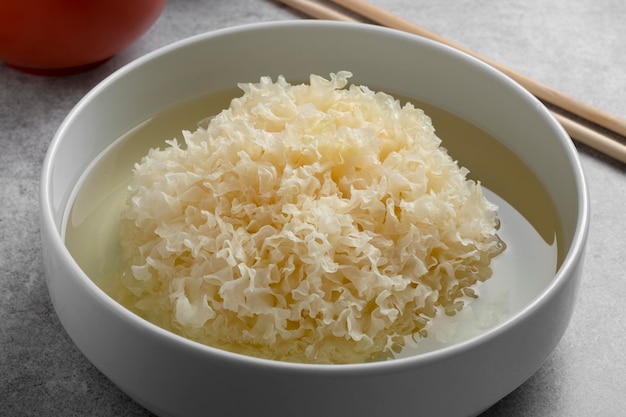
{"points": [[172, 376]]}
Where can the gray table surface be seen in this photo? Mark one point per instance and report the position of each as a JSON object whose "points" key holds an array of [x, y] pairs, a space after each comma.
{"points": [[575, 46]]}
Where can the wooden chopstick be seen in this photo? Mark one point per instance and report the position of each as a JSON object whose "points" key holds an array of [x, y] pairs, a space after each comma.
{"points": [[592, 138], [318, 11], [577, 131]]}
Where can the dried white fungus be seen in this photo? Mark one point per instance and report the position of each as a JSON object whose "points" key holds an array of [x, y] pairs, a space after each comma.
{"points": [[312, 223]]}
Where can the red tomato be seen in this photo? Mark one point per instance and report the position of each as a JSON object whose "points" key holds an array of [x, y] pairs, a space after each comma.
{"points": [[67, 36]]}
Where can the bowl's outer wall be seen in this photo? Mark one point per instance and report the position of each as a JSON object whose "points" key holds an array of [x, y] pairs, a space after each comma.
{"points": [[174, 377]]}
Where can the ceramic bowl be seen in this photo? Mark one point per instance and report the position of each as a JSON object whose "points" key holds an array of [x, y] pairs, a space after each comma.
{"points": [[60, 37], [172, 376]]}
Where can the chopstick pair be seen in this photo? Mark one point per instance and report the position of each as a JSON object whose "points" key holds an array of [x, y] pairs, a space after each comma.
{"points": [[566, 110]]}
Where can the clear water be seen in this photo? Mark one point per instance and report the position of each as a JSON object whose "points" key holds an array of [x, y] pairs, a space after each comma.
{"points": [[529, 222]]}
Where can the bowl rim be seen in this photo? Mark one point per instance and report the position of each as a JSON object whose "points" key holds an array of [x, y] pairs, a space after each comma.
{"points": [[560, 278]]}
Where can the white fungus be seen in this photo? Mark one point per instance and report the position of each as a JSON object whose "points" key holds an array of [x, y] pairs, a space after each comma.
{"points": [[314, 223]]}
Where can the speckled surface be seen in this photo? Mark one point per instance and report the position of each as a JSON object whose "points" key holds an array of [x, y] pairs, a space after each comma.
{"points": [[575, 46]]}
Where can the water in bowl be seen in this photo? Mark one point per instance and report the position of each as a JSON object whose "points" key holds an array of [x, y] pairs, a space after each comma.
{"points": [[529, 221]]}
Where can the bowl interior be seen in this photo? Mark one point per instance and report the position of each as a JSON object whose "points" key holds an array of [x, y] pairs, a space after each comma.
{"points": [[419, 70]]}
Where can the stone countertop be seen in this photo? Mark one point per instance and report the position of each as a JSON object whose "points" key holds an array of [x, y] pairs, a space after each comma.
{"points": [[576, 47]]}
